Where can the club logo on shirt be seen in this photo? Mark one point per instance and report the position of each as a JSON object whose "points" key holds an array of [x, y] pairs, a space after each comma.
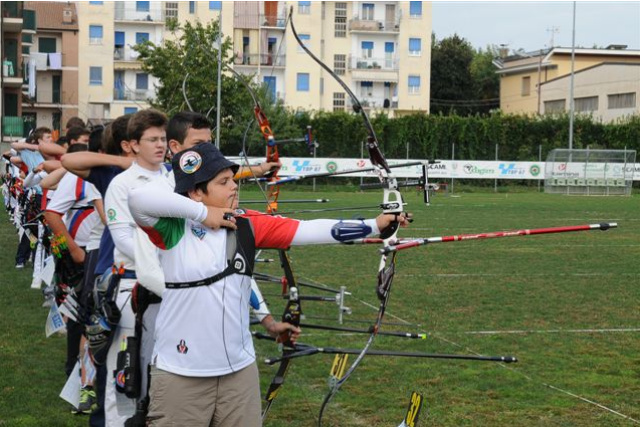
{"points": [[198, 231], [190, 162], [182, 347], [111, 214], [239, 264]]}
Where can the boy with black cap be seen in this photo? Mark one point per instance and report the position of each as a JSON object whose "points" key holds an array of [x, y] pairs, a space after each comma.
{"points": [[204, 362]]}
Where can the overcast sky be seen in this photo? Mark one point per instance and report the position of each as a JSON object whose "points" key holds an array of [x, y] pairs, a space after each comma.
{"points": [[529, 25]]}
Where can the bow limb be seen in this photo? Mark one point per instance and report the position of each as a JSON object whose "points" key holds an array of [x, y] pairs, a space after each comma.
{"points": [[392, 204]]}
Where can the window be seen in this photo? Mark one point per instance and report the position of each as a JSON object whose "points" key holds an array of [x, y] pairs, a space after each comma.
{"points": [[415, 9], [142, 6], [367, 49], [338, 101], [130, 110], [622, 100], [366, 88], [339, 64], [415, 47], [340, 20], [171, 10], [142, 37], [367, 11], [305, 39], [304, 7], [414, 85], [302, 83], [215, 5], [555, 106], [95, 34], [588, 103], [95, 76], [46, 45], [525, 89], [192, 7], [142, 81]]}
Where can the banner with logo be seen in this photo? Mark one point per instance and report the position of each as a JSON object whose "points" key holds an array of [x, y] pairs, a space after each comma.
{"points": [[444, 169]]}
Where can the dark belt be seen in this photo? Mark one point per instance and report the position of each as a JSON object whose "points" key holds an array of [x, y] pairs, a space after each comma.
{"points": [[194, 284]]}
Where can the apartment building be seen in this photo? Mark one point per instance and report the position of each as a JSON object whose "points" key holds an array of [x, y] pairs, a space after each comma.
{"points": [[51, 72], [524, 78], [110, 78], [382, 50], [16, 24]]}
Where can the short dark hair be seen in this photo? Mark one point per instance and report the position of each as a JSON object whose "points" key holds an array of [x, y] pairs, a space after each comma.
{"points": [[143, 120], [180, 124], [76, 132], [39, 133], [95, 138], [76, 148], [75, 122], [115, 133]]}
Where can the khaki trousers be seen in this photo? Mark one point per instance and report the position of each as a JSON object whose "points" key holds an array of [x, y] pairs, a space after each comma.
{"points": [[231, 400]]}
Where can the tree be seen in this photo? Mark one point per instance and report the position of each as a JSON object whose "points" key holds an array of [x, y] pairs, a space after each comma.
{"points": [[463, 81], [451, 81], [485, 80]]}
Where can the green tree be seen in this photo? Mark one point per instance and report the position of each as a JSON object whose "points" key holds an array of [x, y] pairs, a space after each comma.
{"points": [[451, 81], [485, 80]]}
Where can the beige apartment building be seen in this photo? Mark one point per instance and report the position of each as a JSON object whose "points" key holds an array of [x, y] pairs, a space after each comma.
{"points": [[539, 83], [17, 24], [381, 49], [51, 72]]}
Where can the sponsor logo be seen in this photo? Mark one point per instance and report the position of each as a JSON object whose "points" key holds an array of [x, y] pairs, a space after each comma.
{"points": [[510, 169], [305, 166], [534, 170], [111, 214], [331, 167], [190, 162], [436, 166], [470, 169], [361, 163]]}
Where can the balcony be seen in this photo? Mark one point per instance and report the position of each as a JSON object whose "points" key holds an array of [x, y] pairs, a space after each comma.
{"points": [[12, 74], [125, 58], [275, 21], [132, 95], [264, 59], [361, 63], [12, 20], [12, 126], [29, 21], [375, 103], [125, 12], [27, 39], [359, 25]]}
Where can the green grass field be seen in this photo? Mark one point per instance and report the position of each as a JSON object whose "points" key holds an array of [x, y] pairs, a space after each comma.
{"points": [[566, 305]]}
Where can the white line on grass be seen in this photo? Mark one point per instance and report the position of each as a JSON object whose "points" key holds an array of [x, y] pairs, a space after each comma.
{"points": [[568, 393], [552, 331], [516, 274]]}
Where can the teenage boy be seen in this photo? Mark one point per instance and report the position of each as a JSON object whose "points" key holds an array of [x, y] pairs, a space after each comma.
{"points": [[148, 142], [100, 169], [204, 369]]}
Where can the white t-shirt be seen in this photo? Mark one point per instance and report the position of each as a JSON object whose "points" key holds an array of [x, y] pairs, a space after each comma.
{"points": [[117, 209], [73, 200]]}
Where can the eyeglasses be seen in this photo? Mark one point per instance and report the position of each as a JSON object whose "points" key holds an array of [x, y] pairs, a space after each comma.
{"points": [[155, 139]]}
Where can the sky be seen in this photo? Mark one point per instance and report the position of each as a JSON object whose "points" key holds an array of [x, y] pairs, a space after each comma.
{"points": [[530, 25]]}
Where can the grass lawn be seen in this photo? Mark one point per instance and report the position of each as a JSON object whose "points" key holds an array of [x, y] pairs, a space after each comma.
{"points": [[566, 305]]}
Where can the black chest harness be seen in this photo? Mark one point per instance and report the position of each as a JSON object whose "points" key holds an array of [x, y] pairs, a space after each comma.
{"points": [[241, 250]]}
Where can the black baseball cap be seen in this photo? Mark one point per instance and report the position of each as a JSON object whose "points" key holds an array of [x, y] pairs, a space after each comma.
{"points": [[200, 163]]}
